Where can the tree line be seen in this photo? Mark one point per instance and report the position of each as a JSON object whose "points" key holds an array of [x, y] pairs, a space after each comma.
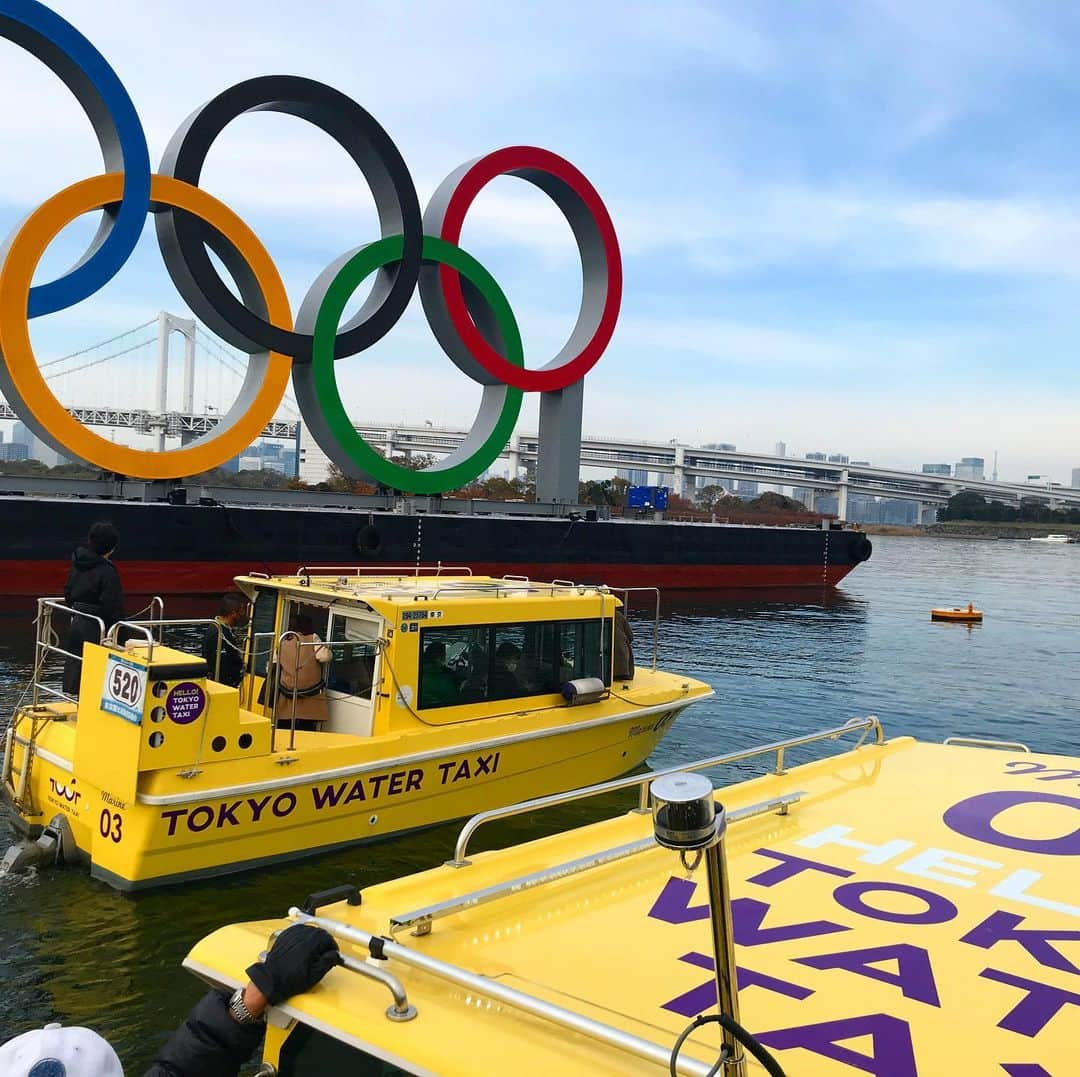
{"points": [[970, 505]]}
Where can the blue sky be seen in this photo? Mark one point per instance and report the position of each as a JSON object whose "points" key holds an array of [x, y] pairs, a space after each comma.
{"points": [[851, 227]]}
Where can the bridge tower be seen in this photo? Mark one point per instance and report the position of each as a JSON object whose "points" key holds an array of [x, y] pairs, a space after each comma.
{"points": [[167, 325]]}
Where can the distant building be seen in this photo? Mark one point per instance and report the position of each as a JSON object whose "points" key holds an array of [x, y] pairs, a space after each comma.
{"points": [[1075, 483], [1040, 480], [937, 469], [838, 458], [36, 449], [817, 456], [970, 467], [251, 463], [746, 488], [860, 463], [781, 449], [720, 446], [14, 452], [634, 476]]}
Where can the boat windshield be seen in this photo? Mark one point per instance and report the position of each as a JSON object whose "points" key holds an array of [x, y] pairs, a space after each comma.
{"points": [[482, 663]]}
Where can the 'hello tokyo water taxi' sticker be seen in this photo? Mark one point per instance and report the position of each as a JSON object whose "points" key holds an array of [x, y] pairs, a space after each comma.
{"points": [[124, 690], [185, 703]]}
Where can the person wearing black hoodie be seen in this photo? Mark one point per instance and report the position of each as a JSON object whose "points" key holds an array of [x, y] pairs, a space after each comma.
{"points": [[92, 588]]}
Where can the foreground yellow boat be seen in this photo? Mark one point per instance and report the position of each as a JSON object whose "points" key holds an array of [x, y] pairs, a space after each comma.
{"points": [[900, 909], [443, 695]]}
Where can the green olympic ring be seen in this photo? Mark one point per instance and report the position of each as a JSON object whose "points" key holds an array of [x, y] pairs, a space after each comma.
{"points": [[317, 381]]}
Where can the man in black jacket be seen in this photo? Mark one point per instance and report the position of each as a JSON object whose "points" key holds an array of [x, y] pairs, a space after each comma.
{"points": [[92, 588], [220, 1034], [231, 619]]}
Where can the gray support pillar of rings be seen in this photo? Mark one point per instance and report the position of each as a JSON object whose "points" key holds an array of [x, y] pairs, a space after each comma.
{"points": [[558, 463]]}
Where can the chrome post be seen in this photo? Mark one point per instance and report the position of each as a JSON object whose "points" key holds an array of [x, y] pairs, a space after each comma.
{"points": [[686, 818], [779, 771]]}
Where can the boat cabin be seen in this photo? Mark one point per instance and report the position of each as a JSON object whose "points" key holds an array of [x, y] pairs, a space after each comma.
{"points": [[400, 650]]}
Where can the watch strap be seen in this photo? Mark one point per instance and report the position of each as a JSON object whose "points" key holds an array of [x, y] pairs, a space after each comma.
{"points": [[240, 1011]]}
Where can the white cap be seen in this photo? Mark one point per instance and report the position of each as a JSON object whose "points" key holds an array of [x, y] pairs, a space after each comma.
{"points": [[53, 1051]]}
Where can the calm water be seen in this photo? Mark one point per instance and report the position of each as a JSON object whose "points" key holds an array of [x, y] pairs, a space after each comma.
{"points": [[73, 950]]}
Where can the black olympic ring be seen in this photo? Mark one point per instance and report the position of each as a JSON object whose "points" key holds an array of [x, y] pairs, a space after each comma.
{"points": [[183, 237]]}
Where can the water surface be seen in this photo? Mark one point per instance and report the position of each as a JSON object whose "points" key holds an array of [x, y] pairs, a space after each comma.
{"points": [[75, 951]]}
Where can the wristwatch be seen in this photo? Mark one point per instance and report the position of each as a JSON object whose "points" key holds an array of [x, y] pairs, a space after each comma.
{"points": [[240, 1012]]}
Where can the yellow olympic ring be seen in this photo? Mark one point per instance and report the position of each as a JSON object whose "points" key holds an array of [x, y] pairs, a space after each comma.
{"points": [[243, 423]]}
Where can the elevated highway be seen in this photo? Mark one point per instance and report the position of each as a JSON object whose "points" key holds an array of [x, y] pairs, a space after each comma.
{"points": [[684, 463]]}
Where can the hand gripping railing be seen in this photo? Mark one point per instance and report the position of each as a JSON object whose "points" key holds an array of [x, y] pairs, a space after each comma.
{"points": [[869, 724], [492, 988]]}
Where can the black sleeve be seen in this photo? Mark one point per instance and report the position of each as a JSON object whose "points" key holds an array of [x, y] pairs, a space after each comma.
{"points": [[209, 647], [208, 1044], [67, 586], [112, 597]]}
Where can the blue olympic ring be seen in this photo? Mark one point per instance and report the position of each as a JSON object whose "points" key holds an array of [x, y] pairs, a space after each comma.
{"points": [[85, 72]]}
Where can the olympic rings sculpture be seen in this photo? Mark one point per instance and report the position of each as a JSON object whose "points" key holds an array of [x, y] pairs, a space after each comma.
{"points": [[467, 311]]}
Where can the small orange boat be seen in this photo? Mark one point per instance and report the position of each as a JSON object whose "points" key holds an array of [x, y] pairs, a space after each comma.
{"points": [[957, 613]]}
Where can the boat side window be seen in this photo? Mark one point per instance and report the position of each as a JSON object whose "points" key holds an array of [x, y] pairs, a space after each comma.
{"points": [[309, 1053], [262, 625], [585, 651], [353, 648], [483, 663]]}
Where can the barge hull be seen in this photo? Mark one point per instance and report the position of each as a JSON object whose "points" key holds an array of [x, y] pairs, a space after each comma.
{"points": [[196, 549]]}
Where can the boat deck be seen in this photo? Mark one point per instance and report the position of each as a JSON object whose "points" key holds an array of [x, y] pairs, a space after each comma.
{"points": [[913, 912]]}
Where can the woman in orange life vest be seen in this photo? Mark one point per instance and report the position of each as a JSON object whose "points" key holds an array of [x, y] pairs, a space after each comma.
{"points": [[301, 677]]}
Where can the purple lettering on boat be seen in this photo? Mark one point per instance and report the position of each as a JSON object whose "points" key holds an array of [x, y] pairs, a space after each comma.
{"points": [[703, 997], [1042, 1001], [974, 818], [938, 910], [748, 915], [914, 974], [894, 1055], [185, 702], [1005, 927], [790, 866]]}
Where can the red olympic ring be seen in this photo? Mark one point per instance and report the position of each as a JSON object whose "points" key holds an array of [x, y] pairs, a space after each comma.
{"points": [[540, 166]]}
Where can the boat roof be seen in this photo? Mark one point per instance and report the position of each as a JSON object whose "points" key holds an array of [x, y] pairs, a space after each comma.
{"points": [[452, 586], [912, 909]]}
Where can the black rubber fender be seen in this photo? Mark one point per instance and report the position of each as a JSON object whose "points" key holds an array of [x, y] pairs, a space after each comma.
{"points": [[861, 549], [368, 540]]}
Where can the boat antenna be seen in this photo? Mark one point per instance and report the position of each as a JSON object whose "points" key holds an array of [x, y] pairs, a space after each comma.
{"points": [[687, 818]]}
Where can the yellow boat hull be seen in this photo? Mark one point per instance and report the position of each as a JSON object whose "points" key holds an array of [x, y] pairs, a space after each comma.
{"points": [[171, 832]]}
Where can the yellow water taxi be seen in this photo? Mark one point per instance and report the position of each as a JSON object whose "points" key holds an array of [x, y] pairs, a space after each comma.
{"points": [[897, 909], [439, 694]]}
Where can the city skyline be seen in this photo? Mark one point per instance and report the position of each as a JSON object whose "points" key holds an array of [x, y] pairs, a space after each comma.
{"points": [[870, 243]]}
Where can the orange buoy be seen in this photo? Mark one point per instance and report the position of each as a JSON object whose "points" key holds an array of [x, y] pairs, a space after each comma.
{"points": [[957, 613]]}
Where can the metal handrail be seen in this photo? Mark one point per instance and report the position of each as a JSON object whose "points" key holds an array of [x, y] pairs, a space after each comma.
{"points": [[186, 622], [111, 641], [494, 989], [401, 1009], [979, 742], [626, 592], [381, 570], [43, 625], [641, 781], [293, 695], [421, 919]]}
